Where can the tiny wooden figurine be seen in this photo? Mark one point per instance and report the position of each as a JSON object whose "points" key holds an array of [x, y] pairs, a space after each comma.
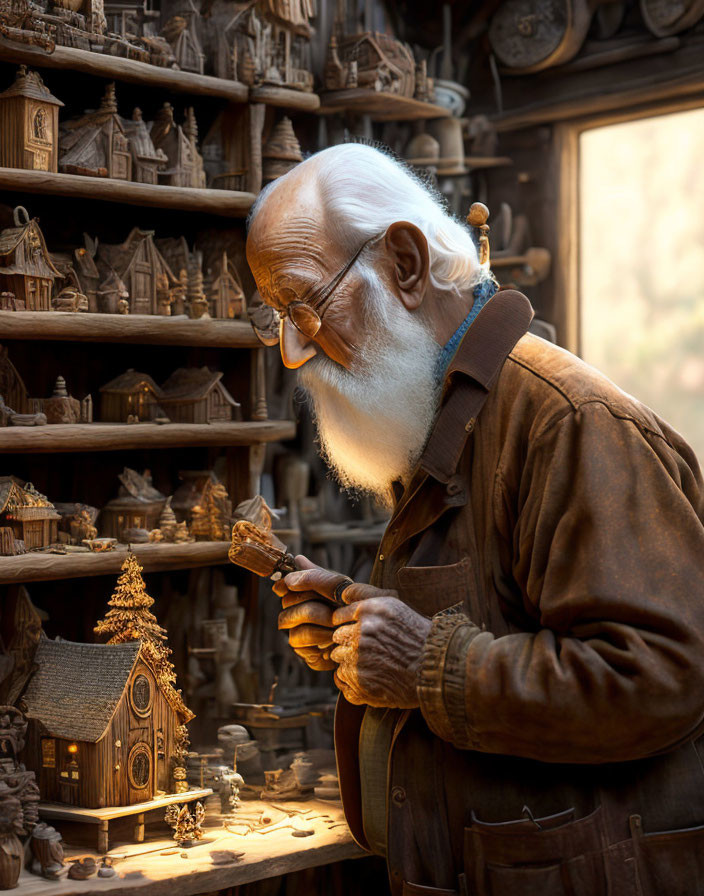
{"points": [[28, 520], [26, 267], [95, 144], [224, 290], [19, 796], [105, 719], [187, 827], [197, 395], [196, 300], [47, 852], [282, 151], [138, 505], [130, 397], [169, 529], [180, 145], [29, 124]]}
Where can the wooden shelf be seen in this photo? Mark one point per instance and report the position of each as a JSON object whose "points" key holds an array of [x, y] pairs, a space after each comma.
{"points": [[379, 105], [128, 70], [40, 566], [149, 329], [157, 866], [64, 437], [228, 203], [285, 97]]}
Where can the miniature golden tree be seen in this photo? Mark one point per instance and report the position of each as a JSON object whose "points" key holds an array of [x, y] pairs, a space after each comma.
{"points": [[130, 619], [210, 520]]}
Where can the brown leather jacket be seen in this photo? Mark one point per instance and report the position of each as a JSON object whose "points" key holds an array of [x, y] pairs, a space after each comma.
{"points": [[562, 700]]}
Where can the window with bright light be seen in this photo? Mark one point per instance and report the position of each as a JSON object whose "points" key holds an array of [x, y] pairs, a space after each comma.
{"points": [[642, 263]]}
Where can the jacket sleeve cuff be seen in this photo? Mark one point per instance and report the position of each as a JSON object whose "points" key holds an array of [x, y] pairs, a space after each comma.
{"points": [[441, 676]]}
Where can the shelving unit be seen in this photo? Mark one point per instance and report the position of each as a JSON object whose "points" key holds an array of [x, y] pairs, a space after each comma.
{"points": [[379, 105]]}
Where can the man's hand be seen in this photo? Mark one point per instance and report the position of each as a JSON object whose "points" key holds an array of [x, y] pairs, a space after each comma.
{"points": [[307, 614], [380, 643]]}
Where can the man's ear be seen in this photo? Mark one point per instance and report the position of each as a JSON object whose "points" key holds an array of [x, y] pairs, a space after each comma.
{"points": [[407, 250]]}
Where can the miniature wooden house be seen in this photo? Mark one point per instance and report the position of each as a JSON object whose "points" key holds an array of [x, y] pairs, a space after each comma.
{"points": [[224, 290], [180, 145], [232, 148], [130, 395], [139, 264], [197, 395], [26, 267], [95, 144], [180, 31], [146, 160], [138, 505], [102, 726], [29, 124], [30, 516], [282, 151]]}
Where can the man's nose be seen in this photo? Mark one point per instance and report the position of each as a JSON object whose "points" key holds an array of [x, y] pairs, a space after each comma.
{"points": [[296, 348]]}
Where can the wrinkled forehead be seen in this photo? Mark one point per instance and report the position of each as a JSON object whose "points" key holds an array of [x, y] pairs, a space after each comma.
{"points": [[289, 247]]}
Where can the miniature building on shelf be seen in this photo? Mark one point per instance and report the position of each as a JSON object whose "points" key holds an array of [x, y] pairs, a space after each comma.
{"points": [[79, 270], [193, 490], [130, 395], [141, 267], [138, 505], [146, 160], [180, 145], [29, 124], [133, 17], [224, 291], [62, 407], [26, 267], [95, 144], [282, 151], [180, 32], [211, 517], [30, 516], [102, 724], [268, 42], [232, 148], [197, 395]]}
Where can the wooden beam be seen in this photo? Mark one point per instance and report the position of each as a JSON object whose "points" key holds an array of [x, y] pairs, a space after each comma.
{"points": [[128, 70], [41, 566], [565, 165], [66, 437], [379, 105], [285, 97], [228, 203], [148, 329], [611, 97]]}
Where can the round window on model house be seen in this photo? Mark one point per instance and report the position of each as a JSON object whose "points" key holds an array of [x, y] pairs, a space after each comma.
{"points": [[141, 695], [140, 766]]}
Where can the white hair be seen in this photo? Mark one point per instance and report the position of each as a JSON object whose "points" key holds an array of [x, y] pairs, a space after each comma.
{"points": [[364, 191]]}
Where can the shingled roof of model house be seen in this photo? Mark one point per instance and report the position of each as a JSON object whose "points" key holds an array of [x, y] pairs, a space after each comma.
{"points": [[193, 384], [76, 688], [129, 381]]}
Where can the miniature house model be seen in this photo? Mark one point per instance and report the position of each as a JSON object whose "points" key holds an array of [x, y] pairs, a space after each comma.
{"points": [[25, 516], [29, 124], [197, 395], [138, 505], [102, 728], [224, 290], [26, 268], [141, 267], [95, 144], [132, 394]]}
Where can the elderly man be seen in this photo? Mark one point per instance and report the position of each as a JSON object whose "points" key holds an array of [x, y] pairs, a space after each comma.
{"points": [[522, 684]]}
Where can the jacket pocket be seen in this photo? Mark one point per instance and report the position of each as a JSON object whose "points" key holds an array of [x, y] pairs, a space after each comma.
{"points": [[669, 862], [541, 857], [429, 589]]}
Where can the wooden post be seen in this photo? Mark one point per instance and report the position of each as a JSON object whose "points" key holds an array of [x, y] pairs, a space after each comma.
{"points": [[103, 837], [139, 828], [258, 379]]}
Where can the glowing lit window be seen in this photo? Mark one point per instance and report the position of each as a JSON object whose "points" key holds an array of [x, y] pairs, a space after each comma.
{"points": [[642, 263]]}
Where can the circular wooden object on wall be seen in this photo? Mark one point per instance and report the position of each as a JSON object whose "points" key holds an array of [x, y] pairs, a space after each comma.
{"points": [[141, 695], [139, 766], [666, 17], [528, 36]]}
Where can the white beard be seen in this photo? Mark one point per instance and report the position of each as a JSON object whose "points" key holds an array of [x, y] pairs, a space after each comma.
{"points": [[373, 421]]}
